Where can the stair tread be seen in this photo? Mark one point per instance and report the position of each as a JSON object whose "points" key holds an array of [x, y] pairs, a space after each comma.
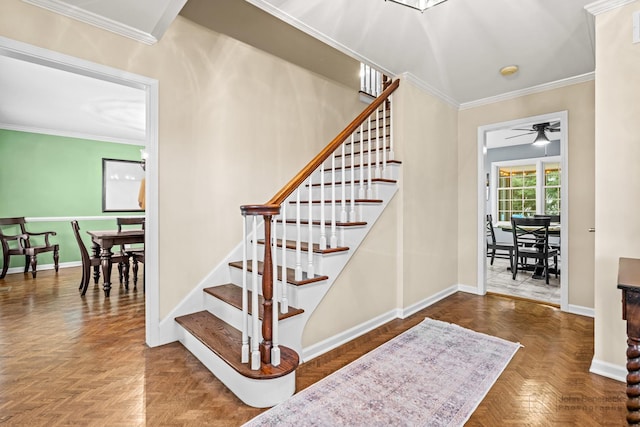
{"points": [[304, 246], [232, 294], [291, 274], [327, 223], [226, 342]]}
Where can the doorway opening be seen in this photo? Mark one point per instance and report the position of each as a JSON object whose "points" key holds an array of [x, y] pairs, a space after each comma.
{"points": [[522, 171], [68, 67]]}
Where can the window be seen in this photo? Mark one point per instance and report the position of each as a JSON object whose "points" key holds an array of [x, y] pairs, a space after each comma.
{"points": [[525, 187]]}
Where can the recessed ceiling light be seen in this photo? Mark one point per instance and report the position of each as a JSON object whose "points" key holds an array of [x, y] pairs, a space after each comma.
{"points": [[509, 70]]}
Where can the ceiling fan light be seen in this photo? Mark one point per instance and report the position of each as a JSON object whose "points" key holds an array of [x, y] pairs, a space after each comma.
{"points": [[541, 139]]}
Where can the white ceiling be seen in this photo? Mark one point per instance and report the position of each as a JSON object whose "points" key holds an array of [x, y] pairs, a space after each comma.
{"points": [[454, 50], [457, 47]]}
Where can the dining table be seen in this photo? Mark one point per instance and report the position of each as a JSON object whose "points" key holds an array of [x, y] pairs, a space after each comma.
{"points": [[104, 240]]}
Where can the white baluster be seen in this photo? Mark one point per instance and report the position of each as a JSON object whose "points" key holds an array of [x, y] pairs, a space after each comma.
{"points": [[343, 175], [384, 140], [362, 78], [391, 119], [298, 273], [275, 350], [361, 191], [310, 269], [284, 300], [333, 242], [255, 338], [378, 167], [352, 212], [323, 233], [369, 166], [245, 297]]}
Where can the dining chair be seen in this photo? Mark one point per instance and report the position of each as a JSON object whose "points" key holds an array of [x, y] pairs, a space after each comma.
{"points": [[88, 261], [531, 241], [22, 243], [135, 252], [495, 249]]}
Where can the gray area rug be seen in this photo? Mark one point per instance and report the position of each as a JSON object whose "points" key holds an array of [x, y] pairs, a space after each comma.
{"points": [[434, 374]]}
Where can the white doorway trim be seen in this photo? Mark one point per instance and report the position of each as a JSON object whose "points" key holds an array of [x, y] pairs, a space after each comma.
{"points": [[562, 116], [82, 67]]}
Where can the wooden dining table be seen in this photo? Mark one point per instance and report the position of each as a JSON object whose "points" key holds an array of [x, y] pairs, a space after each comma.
{"points": [[104, 240]]}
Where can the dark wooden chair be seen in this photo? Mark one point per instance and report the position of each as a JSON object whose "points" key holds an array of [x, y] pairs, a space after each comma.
{"points": [[122, 260], [531, 241], [21, 243], [495, 249], [135, 252]]}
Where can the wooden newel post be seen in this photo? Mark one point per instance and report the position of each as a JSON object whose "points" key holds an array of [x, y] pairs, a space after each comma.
{"points": [[267, 212], [629, 283], [267, 293]]}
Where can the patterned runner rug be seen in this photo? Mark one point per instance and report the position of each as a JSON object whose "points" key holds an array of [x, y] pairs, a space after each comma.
{"points": [[434, 374]]}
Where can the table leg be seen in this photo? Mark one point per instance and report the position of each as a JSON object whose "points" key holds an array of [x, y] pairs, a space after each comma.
{"points": [[105, 258], [96, 269]]}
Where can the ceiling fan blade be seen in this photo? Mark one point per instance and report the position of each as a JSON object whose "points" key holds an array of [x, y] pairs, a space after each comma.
{"points": [[528, 130], [554, 125], [553, 129], [522, 134]]}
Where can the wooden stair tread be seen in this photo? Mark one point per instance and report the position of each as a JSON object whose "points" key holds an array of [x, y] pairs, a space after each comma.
{"points": [[291, 274], [226, 342], [389, 162], [326, 223], [304, 246], [232, 294]]}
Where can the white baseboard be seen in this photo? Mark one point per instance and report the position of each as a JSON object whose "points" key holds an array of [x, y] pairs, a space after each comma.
{"points": [[42, 267], [414, 308], [469, 289], [609, 370], [337, 340], [580, 310]]}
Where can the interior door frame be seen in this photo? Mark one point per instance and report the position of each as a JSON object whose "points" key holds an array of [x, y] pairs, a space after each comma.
{"points": [[563, 117], [49, 58]]}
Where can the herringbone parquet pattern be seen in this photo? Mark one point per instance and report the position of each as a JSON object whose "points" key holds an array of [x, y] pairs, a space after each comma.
{"points": [[65, 360]]}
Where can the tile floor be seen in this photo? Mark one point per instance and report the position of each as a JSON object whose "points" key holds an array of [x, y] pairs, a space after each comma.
{"points": [[499, 280]]}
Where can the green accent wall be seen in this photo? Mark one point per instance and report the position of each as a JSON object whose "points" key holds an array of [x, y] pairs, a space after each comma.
{"points": [[56, 176]]}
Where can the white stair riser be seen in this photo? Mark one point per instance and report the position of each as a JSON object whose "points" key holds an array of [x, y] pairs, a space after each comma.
{"points": [[256, 393], [390, 172], [328, 191]]}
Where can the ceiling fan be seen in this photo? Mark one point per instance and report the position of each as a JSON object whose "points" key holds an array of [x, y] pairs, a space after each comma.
{"points": [[540, 129]]}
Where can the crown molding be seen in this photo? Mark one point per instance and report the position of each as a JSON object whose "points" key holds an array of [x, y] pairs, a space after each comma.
{"points": [[421, 84], [90, 18], [601, 6], [529, 91]]}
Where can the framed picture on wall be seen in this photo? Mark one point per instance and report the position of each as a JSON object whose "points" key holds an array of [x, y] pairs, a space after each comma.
{"points": [[121, 182]]}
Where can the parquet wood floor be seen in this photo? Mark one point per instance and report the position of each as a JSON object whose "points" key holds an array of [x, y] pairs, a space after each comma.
{"points": [[68, 361]]}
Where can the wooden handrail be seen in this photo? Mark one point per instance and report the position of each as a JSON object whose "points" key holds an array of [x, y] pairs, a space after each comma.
{"points": [[333, 145]]}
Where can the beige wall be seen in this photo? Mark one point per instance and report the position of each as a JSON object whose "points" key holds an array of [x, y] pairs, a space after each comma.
{"points": [[578, 100], [617, 172], [235, 125], [426, 132]]}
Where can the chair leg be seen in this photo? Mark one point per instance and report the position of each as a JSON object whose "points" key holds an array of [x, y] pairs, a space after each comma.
{"points": [[96, 274], [34, 263], [135, 273], [511, 259], [56, 258], [5, 265], [26, 263], [493, 256], [514, 266]]}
